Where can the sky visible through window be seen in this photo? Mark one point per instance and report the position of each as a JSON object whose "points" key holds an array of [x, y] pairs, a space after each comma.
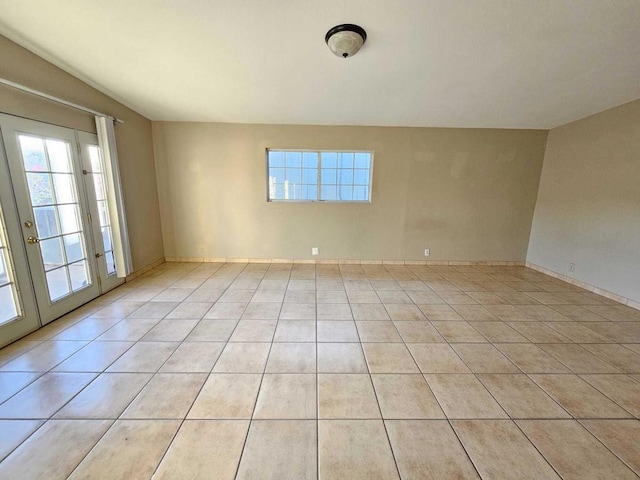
{"points": [[319, 176]]}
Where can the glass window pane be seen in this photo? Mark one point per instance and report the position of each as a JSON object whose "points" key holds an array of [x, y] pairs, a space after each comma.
{"points": [[59, 157], [361, 177], [69, 218], [33, 154], [63, 185], [279, 191], [310, 176], [4, 275], [310, 192], [106, 238], [40, 188], [328, 192], [98, 186], [51, 251], [345, 177], [57, 283], [78, 275], [328, 176], [73, 247], [111, 264], [360, 193], [103, 213], [363, 160], [277, 174], [294, 175], [8, 308], [329, 160], [94, 158], [46, 224], [293, 159], [346, 193], [310, 159], [276, 159], [345, 160]]}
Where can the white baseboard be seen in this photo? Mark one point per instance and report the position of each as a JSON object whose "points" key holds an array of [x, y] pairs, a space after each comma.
{"points": [[144, 270], [313, 261]]}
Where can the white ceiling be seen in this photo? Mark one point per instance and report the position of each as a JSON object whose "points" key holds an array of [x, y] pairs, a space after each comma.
{"points": [[454, 63]]}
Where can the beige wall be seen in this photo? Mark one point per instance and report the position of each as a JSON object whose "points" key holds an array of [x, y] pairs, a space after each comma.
{"points": [[466, 194], [588, 208], [135, 148]]}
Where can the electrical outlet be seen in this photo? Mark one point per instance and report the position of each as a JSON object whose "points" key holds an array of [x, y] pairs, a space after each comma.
{"points": [[572, 267], [426, 252], [314, 251]]}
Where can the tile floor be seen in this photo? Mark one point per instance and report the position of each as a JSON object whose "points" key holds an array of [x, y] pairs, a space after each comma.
{"points": [[335, 372]]}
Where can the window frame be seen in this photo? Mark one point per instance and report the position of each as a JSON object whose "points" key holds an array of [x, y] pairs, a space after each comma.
{"points": [[319, 168]]}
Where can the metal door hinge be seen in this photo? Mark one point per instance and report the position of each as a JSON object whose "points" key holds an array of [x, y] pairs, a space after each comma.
{"points": [[89, 217]]}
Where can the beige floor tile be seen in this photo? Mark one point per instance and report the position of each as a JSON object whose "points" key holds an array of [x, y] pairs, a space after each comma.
{"points": [[280, 449], [531, 359], [173, 295], [212, 331], [13, 433], [54, 450], [362, 296], [170, 331], [87, 329], [45, 396], [498, 332], [129, 330], [243, 358], [254, 331], [475, 313], [292, 358], [633, 346], [190, 310], [331, 296], [348, 396], [167, 395], [389, 358], [106, 397], [295, 331], [459, 332], [404, 312], [538, 332], [440, 313], [95, 357], [262, 311], [300, 296], [405, 397], [393, 296], [484, 358], [425, 297], [226, 311], [334, 311], [520, 397], [12, 382], [578, 359], [118, 309], [509, 313], [377, 331], [613, 331], [418, 332], [298, 311], [237, 296], [428, 449], [286, 396], [499, 450], [365, 311], [337, 331], [573, 451], [227, 396], [268, 296], [354, 449], [578, 397], [15, 349], [437, 358], [138, 446], [620, 357], [622, 437], [154, 310], [463, 396], [193, 357], [202, 447], [144, 357], [43, 357], [577, 333], [341, 358], [622, 389]]}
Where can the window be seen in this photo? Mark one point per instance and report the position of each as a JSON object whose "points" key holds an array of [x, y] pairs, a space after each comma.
{"points": [[326, 176]]}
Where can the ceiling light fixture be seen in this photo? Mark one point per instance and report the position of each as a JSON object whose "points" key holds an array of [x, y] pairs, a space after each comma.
{"points": [[345, 40]]}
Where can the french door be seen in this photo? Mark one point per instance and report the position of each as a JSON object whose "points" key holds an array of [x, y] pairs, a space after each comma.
{"points": [[56, 182]]}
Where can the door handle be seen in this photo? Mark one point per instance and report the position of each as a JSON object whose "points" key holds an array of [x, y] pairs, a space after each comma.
{"points": [[33, 240]]}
